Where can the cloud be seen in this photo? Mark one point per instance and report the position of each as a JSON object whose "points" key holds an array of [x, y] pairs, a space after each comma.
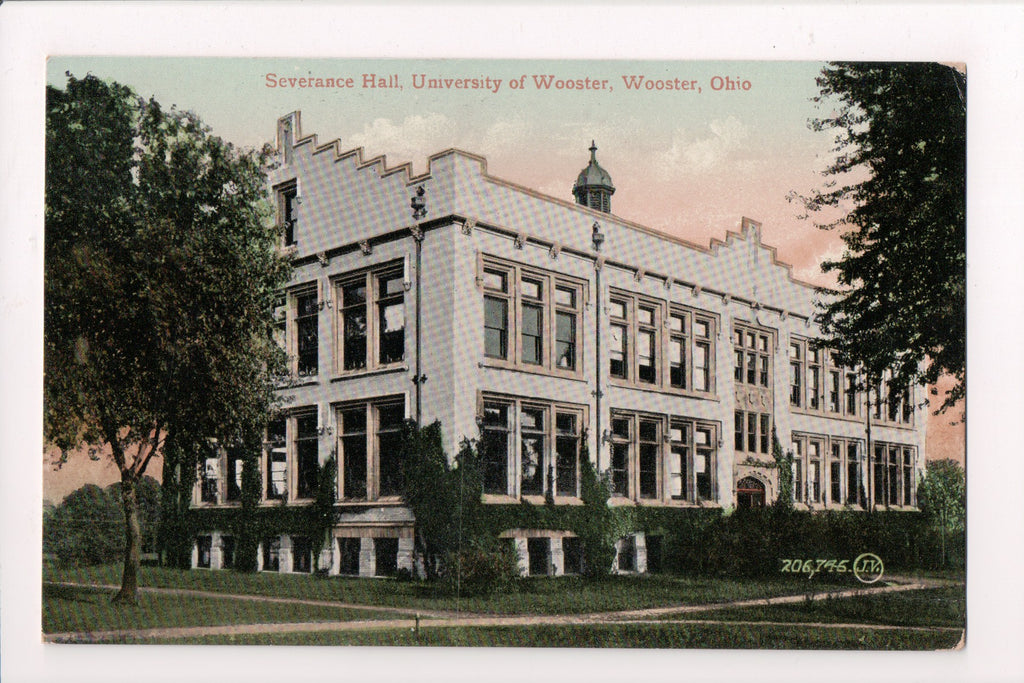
{"points": [[689, 154], [408, 140]]}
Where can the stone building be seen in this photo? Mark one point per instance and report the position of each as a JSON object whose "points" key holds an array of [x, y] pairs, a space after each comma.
{"points": [[460, 297]]}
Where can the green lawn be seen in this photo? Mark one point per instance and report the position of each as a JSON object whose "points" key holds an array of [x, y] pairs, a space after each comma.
{"points": [[564, 595], [930, 607], [89, 609], [614, 635]]}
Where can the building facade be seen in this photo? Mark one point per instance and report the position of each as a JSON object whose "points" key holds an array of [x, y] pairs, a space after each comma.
{"points": [[540, 322]]}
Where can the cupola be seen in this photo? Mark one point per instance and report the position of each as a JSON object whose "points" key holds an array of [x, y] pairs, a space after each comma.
{"points": [[593, 186]]}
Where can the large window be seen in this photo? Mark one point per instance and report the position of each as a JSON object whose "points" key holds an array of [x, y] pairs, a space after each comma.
{"points": [[655, 343], [298, 330], [536, 440], [893, 474], [369, 449], [753, 432], [292, 445], [818, 384], [648, 463], [531, 317], [691, 463], [752, 349], [371, 319], [828, 470]]}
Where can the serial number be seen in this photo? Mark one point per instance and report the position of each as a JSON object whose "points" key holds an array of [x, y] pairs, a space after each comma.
{"points": [[867, 568]]}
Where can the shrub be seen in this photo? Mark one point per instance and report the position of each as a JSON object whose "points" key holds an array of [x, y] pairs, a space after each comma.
{"points": [[480, 570]]}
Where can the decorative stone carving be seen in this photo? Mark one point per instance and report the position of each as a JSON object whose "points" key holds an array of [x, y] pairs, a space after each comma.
{"points": [[467, 226], [365, 247], [323, 259]]}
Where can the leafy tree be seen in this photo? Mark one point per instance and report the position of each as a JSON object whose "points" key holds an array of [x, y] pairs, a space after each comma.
{"points": [[445, 500], [901, 165], [942, 494], [86, 527], [160, 276]]}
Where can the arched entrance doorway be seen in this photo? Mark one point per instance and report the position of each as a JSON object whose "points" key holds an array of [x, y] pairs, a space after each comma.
{"points": [[749, 493]]}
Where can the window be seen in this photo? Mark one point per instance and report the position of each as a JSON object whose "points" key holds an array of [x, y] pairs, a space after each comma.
{"points": [[227, 545], [811, 468], [893, 474], [369, 449], [531, 317], [234, 476], [567, 453], [533, 321], [271, 554], [649, 457], [302, 554], [204, 545], [618, 344], [855, 494], [852, 404], [647, 345], [572, 555], [307, 321], [495, 446], [348, 551], [210, 478], [307, 454], [650, 463], [814, 378], [691, 460], [544, 454], [898, 401], [753, 432], [817, 383], [752, 352], [639, 352], [531, 441], [496, 310], [277, 459], [287, 211], [834, 388], [621, 442], [371, 319], [566, 316], [796, 382], [385, 552], [539, 550], [627, 554]]}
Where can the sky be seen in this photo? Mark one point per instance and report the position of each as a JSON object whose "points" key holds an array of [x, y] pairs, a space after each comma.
{"points": [[706, 144]]}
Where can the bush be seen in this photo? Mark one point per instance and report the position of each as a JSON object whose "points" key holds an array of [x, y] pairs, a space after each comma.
{"points": [[479, 570], [87, 528]]}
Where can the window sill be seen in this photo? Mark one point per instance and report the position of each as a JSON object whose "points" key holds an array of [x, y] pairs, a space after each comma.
{"points": [[390, 501], [298, 382], [383, 370], [532, 370], [668, 391]]}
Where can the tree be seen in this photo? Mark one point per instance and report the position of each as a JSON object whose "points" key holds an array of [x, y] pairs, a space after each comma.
{"points": [[85, 528], [942, 494], [160, 277], [901, 165]]}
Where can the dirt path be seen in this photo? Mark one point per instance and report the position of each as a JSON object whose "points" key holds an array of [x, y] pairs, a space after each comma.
{"points": [[441, 619]]}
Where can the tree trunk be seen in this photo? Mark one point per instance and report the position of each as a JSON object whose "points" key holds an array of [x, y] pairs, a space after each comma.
{"points": [[129, 593]]}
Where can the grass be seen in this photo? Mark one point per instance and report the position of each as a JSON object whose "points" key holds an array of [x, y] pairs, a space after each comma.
{"points": [[928, 607], [563, 595], [612, 635], [89, 609]]}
